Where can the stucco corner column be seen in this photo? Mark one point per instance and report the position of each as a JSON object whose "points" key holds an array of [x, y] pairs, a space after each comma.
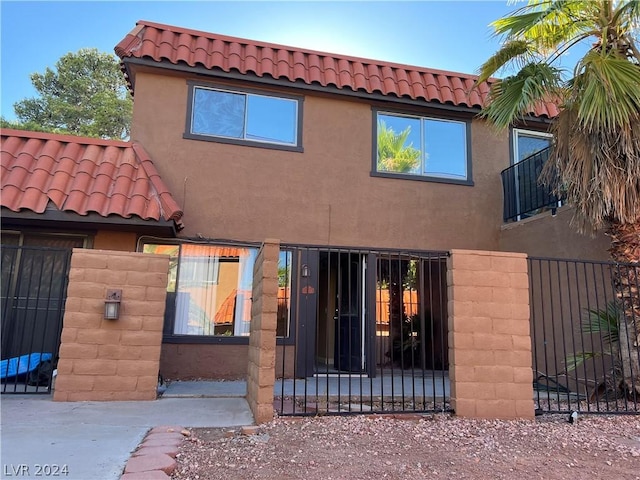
{"points": [[490, 361], [262, 339]]}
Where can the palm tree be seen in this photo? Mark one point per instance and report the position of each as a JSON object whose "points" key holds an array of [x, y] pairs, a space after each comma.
{"points": [[393, 154], [595, 160]]}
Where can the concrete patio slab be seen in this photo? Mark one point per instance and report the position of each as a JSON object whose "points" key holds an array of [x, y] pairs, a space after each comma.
{"points": [[94, 440]]}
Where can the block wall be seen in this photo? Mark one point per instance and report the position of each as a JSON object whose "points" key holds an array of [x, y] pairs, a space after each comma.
{"points": [[490, 358], [112, 359], [262, 340]]}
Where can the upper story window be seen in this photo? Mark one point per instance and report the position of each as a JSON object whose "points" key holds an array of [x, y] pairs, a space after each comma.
{"points": [[527, 142], [244, 117], [422, 148]]}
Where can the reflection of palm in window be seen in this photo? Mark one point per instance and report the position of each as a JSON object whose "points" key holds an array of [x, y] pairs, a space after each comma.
{"points": [[421, 146], [394, 155]]}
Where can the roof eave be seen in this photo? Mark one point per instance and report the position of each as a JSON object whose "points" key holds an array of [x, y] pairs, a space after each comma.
{"points": [[71, 220], [132, 62]]}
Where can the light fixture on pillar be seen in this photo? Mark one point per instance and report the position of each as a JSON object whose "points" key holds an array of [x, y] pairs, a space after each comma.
{"points": [[112, 304], [305, 271]]}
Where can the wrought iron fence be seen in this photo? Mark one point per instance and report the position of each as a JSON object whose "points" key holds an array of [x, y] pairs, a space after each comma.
{"points": [[33, 292], [522, 192], [361, 330], [583, 358]]}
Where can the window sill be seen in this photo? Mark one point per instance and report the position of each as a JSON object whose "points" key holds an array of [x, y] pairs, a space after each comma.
{"points": [[219, 340], [423, 178], [197, 339], [245, 143]]}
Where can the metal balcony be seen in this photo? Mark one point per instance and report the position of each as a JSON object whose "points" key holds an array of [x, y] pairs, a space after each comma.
{"points": [[524, 195]]}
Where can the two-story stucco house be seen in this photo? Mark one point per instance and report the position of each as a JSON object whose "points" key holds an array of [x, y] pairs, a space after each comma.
{"points": [[365, 174], [319, 150]]}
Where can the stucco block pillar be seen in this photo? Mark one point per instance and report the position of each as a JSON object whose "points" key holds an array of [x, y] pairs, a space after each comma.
{"points": [[112, 359], [490, 363], [262, 340]]}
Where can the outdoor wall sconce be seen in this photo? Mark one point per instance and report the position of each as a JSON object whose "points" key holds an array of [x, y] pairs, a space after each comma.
{"points": [[305, 272], [112, 304]]}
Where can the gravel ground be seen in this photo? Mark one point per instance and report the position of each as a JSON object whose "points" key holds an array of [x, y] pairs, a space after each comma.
{"points": [[417, 447]]}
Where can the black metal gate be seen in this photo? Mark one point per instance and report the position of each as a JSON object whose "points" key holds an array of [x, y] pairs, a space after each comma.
{"points": [[368, 331], [579, 358], [33, 293]]}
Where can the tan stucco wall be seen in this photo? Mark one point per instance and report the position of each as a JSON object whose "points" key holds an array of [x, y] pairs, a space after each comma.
{"points": [[548, 236], [190, 361], [322, 196], [111, 240]]}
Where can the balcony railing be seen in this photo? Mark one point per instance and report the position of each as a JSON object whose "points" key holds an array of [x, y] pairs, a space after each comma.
{"points": [[524, 195]]}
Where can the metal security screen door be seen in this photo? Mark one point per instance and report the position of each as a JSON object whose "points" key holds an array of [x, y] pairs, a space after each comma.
{"points": [[33, 293], [335, 325]]}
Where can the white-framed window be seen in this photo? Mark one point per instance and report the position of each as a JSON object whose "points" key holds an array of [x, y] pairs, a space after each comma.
{"points": [[528, 142], [209, 288], [421, 147], [244, 117], [531, 198]]}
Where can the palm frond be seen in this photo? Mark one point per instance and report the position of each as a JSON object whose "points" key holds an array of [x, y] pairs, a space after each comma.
{"points": [[627, 15], [607, 91], [523, 19], [517, 25], [603, 322], [547, 23], [600, 322], [509, 52], [518, 95], [571, 362]]}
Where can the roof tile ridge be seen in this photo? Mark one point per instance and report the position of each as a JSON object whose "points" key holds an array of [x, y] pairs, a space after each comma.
{"points": [[128, 43], [336, 56], [63, 137], [171, 209]]}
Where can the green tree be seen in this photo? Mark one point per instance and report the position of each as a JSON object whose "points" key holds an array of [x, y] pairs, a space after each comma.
{"points": [[84, 95], [29, 125], [393, 155], [595, 159]]}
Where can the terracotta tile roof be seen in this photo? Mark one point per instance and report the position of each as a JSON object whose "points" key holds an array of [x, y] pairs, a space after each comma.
{"points": [[82, 175], [165, 43]]}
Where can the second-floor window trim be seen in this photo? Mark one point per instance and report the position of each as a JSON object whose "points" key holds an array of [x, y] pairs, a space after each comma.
{"points": [[541, 140], [421, 147], [242, 116]]}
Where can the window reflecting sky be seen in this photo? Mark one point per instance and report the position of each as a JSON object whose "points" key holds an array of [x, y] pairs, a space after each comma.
{"points": [[442, 142]]}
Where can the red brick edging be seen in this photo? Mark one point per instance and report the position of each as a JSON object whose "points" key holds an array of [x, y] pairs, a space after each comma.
{"points": [[154, 459]]}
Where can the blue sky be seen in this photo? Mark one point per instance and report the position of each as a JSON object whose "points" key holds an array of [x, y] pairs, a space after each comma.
{"points": [[449, 35]]}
